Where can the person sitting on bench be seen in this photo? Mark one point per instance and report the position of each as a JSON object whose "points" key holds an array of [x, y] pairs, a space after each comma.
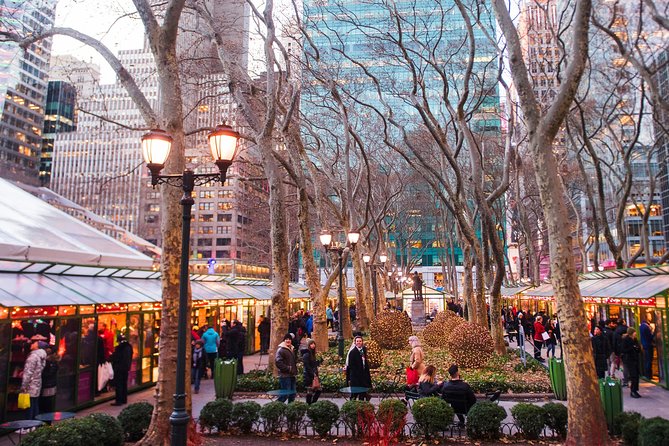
{"points": [[458, 394]]}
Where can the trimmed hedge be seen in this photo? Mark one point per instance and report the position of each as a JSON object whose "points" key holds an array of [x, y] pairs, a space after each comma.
{"points": [[294, 414], [392, 414], [654, 432], [432, 415], [557, 418], [323, 415], [216, 414], [530, 419], [626, 425], [245, 414], [273, 413], [484, 420], [135, 419], [357, 415]]}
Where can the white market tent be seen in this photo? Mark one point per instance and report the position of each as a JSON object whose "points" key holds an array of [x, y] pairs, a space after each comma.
{"points": [[34, 231]]}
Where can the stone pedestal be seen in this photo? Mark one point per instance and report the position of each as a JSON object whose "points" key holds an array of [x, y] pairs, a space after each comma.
{"points": [[418, 312]]}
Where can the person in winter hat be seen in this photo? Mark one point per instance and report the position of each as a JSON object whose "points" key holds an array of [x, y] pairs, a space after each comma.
{"points": [[32, 376]]}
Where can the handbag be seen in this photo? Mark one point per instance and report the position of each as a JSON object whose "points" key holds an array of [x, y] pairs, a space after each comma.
{"points": [[412, 376], [545, 336], [24, 401], [316, 383]]}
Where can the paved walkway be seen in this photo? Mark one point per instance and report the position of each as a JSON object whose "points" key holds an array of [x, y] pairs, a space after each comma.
{"points": [[654, 401]]}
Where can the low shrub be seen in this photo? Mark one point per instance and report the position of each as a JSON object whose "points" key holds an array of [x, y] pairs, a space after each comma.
{"points": [[294, 414], [256, 381], [530, 419], [113, 431], [216, 414], [61, 434], [391, 329], [323, 415], [392, 413], [470, 345], [245, 414], [432, 415], [556, 418], [484, 420], [654, 432], [626, 425], [272, 414], [357, 415], [135, 420]]}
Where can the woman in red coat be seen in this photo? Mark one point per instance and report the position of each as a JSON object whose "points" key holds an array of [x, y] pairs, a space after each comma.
{"points": [[539, 330]]}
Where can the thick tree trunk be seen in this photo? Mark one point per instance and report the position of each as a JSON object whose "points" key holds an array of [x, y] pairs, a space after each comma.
{"points": [[359, 275], [468, 285]]}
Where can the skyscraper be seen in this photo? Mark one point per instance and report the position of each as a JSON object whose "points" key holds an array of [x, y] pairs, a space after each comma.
{"points": [[23, 88]]}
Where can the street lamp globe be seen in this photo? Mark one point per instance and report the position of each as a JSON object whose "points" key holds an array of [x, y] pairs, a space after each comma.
{"points": [[390, 274], [156, 146], [383, 258], [326, 239], [223, 145], [353, 237], [366, 258]]}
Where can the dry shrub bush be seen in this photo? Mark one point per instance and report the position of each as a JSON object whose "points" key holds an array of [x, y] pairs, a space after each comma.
{"points": [[470, 345], [374, 354], [391, 330], [443, 316], [436, 331]]}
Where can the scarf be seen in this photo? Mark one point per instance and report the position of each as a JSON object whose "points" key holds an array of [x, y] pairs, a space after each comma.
{"points": [[197, 356]]}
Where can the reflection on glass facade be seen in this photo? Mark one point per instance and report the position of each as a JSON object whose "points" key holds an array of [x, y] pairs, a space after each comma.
{"points": [[23, 88], [59, 117]]}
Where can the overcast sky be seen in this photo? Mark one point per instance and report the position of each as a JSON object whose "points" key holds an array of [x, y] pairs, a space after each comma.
{"points": [[102, 19]]}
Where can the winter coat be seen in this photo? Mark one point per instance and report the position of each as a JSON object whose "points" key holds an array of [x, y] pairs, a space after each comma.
{"points": [[211, 340], [618, 338], [285, 361], [199, 361], [538, 329], [601, 352], [264, 328], [310, 367], [417, 358], [357, 368], [232, 340], [630, 350], [241, 340], [426, 388], [328, 313], [32, 372], [459, 395], [122, 358], [645, 335]]}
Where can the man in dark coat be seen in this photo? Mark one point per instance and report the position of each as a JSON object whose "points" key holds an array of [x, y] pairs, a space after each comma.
{"points": [[264, 331], [646, 338], [618, 334], [630, 350], [357, 368], [458, 394], [285, 363], [232, 341], [601, 352], [121, 361]]}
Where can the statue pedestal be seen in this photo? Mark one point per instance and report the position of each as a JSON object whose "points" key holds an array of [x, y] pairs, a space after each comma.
{"points": [[418, 312]]}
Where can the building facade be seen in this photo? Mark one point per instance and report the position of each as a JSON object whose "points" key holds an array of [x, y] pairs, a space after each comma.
{"points": [[23, 88]]}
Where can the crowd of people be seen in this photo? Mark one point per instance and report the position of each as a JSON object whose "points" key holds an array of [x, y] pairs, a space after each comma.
{"points": [[539, 329], [207, 345]]}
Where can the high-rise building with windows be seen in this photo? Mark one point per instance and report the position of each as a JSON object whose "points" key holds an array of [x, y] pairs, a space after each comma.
{"points": [[23, 88]]}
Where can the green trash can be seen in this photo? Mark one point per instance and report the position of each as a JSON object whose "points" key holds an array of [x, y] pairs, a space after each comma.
{"points": [[558, 378], [611, 393], [225, 377]]}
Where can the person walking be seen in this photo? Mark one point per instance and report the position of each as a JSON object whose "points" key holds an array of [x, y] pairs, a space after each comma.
{"points": [[121, 362], [311, 379], [264, 328], [199, 364], [538, 338], [357, 368], [32, 375], [646, 338], [630, 350], [551, 342], [601, 352], [285, 363], [211, 340], [416, 361], [329, 315]]}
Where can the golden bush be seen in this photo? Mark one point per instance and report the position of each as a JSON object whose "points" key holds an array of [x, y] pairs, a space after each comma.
{"points": [[374, 354], [436, 331], [470, 345], [444, 316], [391, 330]]}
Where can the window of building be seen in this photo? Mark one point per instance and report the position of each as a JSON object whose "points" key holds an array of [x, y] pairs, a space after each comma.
{"points": [[223, 241], [206, 217], [224, 217]]}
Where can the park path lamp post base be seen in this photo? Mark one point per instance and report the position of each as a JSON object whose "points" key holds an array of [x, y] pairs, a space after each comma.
{"points": [[332, 246], [156, 146]]}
